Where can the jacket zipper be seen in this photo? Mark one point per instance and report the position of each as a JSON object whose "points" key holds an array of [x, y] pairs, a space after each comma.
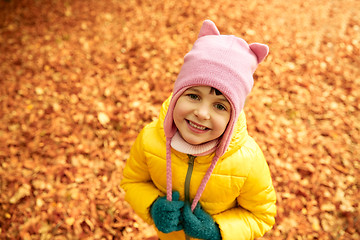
{"points": [[188, 177], [188, 180]]}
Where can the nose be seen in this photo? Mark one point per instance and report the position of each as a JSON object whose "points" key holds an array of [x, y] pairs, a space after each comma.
{"points": [[202, 112]]}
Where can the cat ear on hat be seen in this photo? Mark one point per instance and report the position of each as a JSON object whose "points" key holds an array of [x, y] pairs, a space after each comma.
{"points": [[260, 50], [208, 28]]}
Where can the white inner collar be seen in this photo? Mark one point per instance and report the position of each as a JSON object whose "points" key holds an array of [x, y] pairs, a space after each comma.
{"points": [[179, 144]]}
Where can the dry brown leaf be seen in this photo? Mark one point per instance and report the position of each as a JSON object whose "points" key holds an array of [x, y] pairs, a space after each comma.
{"points": [[79, 79]]}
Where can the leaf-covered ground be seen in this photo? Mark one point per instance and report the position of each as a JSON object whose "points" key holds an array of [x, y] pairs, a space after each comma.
{"points": [[79, 79]]}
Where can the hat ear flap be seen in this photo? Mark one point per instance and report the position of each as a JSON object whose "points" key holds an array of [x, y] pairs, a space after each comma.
{"points": [[208, 28], [260, 50]]}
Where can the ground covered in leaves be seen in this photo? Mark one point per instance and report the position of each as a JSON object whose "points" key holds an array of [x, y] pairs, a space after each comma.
{"points": [[79, 79]]}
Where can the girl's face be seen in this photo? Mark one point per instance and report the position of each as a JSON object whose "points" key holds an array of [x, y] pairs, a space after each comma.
{"points": [[200, 115]]}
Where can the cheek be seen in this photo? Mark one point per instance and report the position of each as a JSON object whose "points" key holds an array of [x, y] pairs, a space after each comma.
{"points": [[178, 113], [222, 123], [181, 108]]}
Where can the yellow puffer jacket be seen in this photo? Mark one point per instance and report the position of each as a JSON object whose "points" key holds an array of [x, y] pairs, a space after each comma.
{"points": [[239, 195]]}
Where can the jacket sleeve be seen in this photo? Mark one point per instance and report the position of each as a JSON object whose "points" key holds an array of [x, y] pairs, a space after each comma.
{"points": [[140, 192], [256, 208]]}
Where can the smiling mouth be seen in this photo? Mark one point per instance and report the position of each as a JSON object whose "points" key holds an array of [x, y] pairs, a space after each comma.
{"points": [[194, 125]]}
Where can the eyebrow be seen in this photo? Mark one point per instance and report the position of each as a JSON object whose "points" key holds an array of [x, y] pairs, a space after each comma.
{"points": [[221, 97]]}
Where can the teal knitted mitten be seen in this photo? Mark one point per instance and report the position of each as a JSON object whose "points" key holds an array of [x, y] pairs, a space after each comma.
{"points": [[166, 214], [199, 224]]}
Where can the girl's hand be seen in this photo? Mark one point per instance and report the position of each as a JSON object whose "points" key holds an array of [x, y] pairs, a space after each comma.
{"points": [[199, 224], [166, 214]]}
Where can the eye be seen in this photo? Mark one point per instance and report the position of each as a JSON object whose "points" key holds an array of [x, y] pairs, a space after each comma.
{"points": [[193, 96], [220, 106]]}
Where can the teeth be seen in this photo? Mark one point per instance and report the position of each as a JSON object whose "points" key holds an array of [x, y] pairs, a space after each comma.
{"points": [[196, 126]]}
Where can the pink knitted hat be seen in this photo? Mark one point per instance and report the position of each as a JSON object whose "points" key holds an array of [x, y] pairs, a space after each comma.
{"points": [[226, 63]]}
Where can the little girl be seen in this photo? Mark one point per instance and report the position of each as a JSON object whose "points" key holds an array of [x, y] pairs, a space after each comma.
{"points": [[195, 172]]}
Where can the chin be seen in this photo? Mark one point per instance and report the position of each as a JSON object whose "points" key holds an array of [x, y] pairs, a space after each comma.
{"points": [[192, 142]]}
